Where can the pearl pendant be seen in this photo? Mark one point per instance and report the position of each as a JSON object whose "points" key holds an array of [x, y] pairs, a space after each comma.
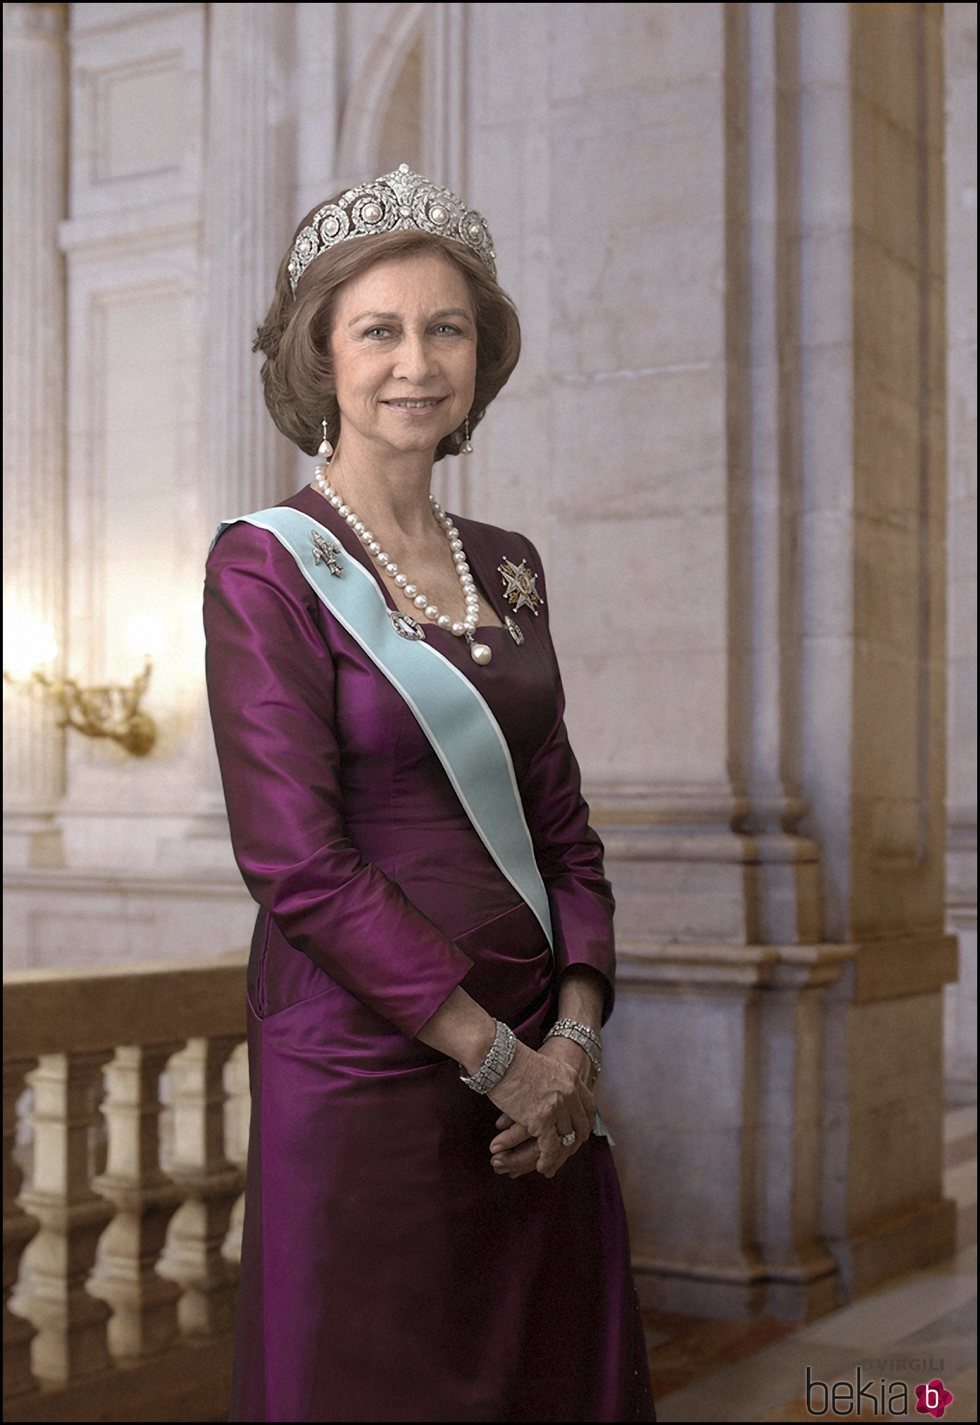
{"points": [[480, 653]]}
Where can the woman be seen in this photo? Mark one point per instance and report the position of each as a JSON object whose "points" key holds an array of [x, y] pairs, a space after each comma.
{"points": [[406, 810]]}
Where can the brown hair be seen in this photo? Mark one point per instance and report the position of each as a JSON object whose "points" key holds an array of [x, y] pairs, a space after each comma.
{"points": [[297, 374]]}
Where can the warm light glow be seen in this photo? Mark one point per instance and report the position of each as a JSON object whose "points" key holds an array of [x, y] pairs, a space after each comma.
{"points": [[28, 644], [146, 634]]}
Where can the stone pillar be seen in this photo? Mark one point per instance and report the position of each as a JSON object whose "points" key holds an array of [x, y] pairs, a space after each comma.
{"points": [[961, 796], [248, 220], [34, 139], [725, 437], [883, 655]]}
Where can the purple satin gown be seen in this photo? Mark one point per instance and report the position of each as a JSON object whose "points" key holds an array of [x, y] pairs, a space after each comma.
{"points": [[387, 1273]]}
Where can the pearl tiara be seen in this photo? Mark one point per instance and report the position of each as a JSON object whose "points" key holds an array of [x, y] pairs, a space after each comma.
{"points": [[401, 199]]}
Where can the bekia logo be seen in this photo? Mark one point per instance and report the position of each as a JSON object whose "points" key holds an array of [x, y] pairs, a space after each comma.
{"points": [[932, 1399], [868, 1397]]}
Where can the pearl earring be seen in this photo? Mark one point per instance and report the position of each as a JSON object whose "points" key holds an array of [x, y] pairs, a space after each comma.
{"points": [[467, 445], [325, 451]]}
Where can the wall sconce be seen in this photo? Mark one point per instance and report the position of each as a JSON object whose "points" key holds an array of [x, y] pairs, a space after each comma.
{"points": [[110, 710]]}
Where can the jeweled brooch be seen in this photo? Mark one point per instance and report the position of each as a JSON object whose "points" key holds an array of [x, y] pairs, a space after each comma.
{"points": [[326, 553], [405, 625], [514, 629], [519, 590]]}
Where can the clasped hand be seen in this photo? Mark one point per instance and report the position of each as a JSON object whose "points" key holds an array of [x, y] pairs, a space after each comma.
{"points": [[544, 1095]]}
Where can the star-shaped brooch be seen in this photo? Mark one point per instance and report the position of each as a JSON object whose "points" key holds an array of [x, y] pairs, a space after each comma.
{"points": [[519, 590], [326, 553]]}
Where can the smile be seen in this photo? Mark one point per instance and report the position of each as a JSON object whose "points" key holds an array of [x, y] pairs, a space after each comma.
{"points": [[429, 404]]}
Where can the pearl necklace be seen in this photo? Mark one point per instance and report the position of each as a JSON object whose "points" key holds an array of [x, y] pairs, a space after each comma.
{"points": [[464, 628]]}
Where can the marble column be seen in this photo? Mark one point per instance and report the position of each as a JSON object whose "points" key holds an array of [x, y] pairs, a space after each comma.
{"points": [[34, 144], [248, 220]]}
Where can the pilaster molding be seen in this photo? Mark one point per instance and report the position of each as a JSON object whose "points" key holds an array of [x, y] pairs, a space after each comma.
{"points": [[765, 472], [694, 862], [646, 966], [869, 970], [446, 136], [166, 222], [34, 149], [247, 219]]}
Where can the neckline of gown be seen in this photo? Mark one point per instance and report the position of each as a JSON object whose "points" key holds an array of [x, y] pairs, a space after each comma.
{"points": [[319, 507]]}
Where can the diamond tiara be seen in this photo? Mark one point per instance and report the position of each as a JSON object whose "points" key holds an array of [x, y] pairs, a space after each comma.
{"points": [[401, 199]]}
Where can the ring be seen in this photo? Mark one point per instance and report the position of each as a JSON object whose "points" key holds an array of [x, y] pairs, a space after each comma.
{"points": [[567, 1139]]}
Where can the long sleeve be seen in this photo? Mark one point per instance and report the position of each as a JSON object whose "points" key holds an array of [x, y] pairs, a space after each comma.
{"points": [[569, 852], [270, 680]]}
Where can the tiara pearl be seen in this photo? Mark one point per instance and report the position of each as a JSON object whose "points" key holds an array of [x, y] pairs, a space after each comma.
{"points": [[398, 200]]}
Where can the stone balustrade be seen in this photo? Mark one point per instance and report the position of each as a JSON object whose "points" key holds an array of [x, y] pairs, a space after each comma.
{"points": [[123, 1189]]}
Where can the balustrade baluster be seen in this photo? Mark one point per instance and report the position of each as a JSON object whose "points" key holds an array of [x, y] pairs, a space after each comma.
{"points": [[144, 1303], [18, 1229], [93, 1327], [71, 1324], [210, 1186], [238, 1104]]}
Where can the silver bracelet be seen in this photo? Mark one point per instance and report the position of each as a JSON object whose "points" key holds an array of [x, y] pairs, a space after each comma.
{"points": [[589, 1033], [581, 1035], [499, 1058]]}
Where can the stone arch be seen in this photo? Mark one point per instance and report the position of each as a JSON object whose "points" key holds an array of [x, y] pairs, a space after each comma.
{"points": [[380, 74]]}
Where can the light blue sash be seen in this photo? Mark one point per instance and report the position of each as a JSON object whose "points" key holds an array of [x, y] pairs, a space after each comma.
{"points": [[451, 712]]}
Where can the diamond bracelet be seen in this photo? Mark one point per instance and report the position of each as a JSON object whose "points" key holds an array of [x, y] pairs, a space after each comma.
{"points": [[581, 1035], [499, 1059]]}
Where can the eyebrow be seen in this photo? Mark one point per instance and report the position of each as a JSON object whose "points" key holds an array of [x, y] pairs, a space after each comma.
{"points": [[397, 316]]}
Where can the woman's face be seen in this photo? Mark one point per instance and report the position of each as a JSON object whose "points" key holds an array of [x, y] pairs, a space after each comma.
{"points": [[404, 333]]}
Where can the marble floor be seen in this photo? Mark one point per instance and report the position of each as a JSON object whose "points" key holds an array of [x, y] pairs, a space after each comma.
{"points": [[912, 1329]]}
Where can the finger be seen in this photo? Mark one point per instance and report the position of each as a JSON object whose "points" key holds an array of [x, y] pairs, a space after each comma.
{"points": [[547, 1165], [583, 1116], [516, 1161], [521, 1171], [551, 1154], [504, 1121], [554, 1153], [581, 1127], [567, 1136], [510, 1138]]}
